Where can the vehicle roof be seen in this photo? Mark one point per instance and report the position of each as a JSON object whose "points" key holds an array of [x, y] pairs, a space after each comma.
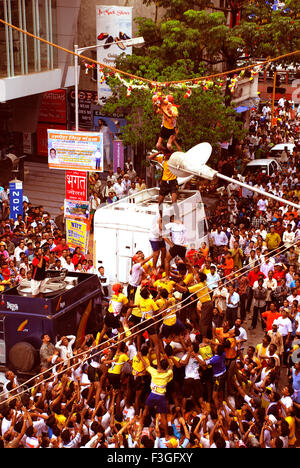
{"points": [[261, 162], [281, 146]]}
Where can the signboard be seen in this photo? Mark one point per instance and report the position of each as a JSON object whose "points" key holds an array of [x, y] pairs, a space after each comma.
{"points": [[76, 185], [77, 234], [118, 151], [16, 199], [27, 143], [81, 151], [85, 101], [77, 209], [54, 107], [113, 25]]}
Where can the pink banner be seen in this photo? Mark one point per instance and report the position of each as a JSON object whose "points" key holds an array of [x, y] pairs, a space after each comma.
{"points": [[118, 152]]}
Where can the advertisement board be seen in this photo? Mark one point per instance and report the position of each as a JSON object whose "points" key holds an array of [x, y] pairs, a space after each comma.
{"points": [[77, 234], [54, 107], [113, 26], [76, 185], [77, 209], [81, 151], [15, 199]]}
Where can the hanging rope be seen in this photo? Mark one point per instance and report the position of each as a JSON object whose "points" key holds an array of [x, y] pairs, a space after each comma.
{"points": [[151, 82]]}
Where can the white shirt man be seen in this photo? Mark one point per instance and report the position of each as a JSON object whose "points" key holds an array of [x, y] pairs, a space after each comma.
{"points": [[220, 238], [284, 325], [126, 185], [266, 266], [68, 264], [118, 188], [288, 238], [178, 233], [213, 278]]}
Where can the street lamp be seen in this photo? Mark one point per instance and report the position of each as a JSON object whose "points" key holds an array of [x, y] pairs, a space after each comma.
{"points": [[129, 43]]}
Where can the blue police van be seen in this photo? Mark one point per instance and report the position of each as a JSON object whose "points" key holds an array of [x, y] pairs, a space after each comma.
{"points": [[72, 307]]}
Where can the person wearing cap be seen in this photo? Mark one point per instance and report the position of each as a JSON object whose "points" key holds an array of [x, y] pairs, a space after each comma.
{"points": [[117, 304], [165, 106]]}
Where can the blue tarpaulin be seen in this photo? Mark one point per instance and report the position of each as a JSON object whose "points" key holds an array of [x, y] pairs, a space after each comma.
{"points": [[241, 109]]}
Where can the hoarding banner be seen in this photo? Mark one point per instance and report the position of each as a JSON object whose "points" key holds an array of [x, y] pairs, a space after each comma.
{"points": [[54, 107], [15, 199], [81, 151], [113, 24], [77, 234], [76, 185], [77, 209], [85, 101], [118, 151]]}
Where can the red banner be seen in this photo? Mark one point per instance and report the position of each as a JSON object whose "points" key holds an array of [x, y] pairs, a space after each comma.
{"points": [[42, 137], [76, 185], [54, 107]]}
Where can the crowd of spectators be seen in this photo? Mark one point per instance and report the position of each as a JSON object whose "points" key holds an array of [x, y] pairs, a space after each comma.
{"points": [[171, 366]]}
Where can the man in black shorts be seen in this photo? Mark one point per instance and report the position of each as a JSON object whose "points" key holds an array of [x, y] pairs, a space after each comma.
{"points": [[168, 183]]}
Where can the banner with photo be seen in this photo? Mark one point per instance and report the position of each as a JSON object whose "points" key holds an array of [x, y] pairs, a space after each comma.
{"points": [[77, 234], [82, 151], [77, 209], [113, 26]]}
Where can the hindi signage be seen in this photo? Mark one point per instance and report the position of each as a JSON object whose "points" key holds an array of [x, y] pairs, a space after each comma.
{"points": [[76, 185]]}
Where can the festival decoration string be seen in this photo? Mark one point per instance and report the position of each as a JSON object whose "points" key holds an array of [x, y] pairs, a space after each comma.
{"points": [[152, 83]]}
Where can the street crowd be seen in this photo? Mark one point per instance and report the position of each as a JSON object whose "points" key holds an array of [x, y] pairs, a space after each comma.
{"points": [[171, 366]]}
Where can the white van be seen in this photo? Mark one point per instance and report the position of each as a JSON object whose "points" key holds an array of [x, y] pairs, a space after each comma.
{"points": [[276, 150], [122, 228], [269, 166]]}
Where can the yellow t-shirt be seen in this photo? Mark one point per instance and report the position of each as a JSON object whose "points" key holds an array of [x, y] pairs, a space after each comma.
{"points": [[137, 297], [170, 313], [159, 380], [138, 366], [148, 307], [168, 285], [201, 290], [167, 174], [188, 279], [292, 434], [118, 363], [170, 122], [205, 352], [61, 420], [116, 303]]}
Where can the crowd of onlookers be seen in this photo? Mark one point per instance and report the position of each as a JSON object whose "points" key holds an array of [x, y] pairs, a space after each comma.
{"points": [[172, 366]]}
